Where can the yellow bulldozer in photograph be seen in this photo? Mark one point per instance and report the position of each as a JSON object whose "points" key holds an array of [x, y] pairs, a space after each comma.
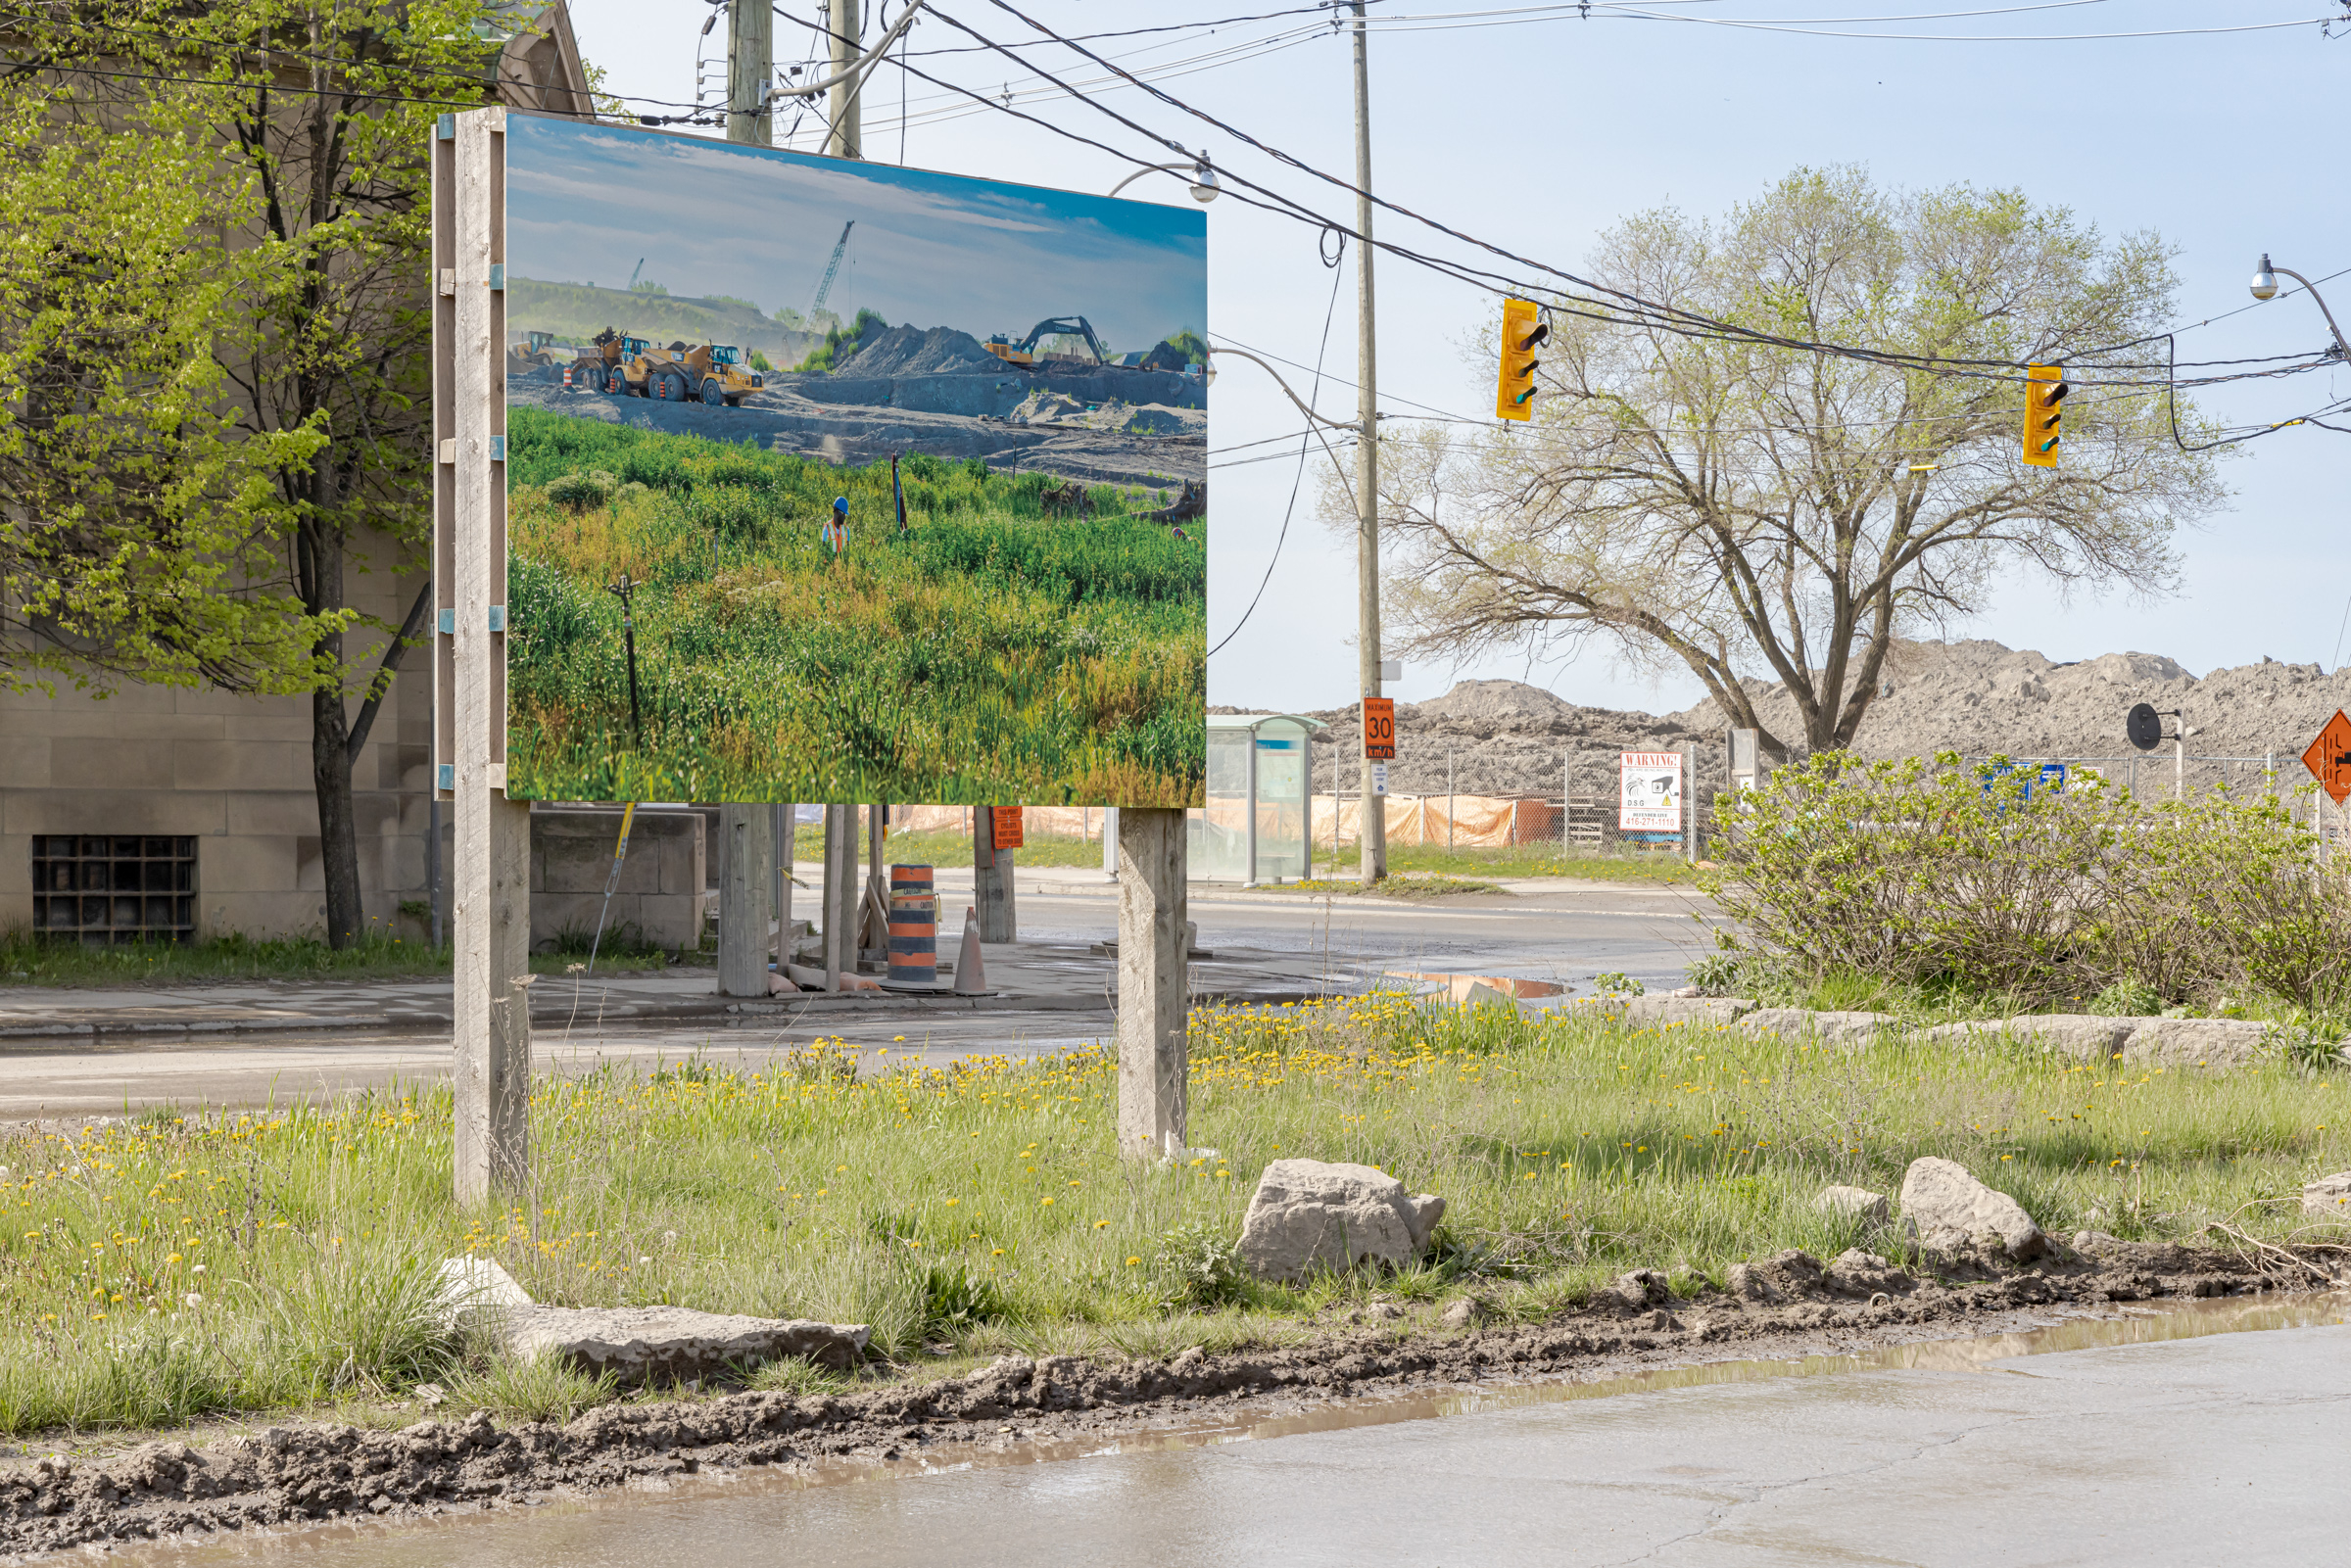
{"points": [[714, 372]]}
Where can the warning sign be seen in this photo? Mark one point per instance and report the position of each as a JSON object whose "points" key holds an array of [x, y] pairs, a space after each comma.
{"points": [[1380, 728], [2328, 758], [1649, 792], [1005, 827]]}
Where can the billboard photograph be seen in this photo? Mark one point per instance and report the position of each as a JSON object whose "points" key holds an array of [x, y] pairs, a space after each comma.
{"points": [[838, 480]]}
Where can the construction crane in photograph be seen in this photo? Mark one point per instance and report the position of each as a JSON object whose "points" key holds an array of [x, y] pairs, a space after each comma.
{"points": [[832, 268], [639, 273]]}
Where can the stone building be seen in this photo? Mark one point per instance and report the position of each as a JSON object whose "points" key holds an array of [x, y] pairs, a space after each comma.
{"points": [[169, 812]]}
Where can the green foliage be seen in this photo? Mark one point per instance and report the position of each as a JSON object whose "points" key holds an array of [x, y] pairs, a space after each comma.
{"points": [[1615, 982], [843, 342], [1194, 347], [1199, 1266], [2128, 998], [531, 1388], [648, 285], [1716, 973], [988, 655], [956, 1299], [1964, 878], [581, 491]]}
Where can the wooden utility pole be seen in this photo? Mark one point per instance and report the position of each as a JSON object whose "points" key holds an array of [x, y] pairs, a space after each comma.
{"points": [[490, 885], [841, 106], [1367, 451], [745, 876], [750, 73], [995, 894]]}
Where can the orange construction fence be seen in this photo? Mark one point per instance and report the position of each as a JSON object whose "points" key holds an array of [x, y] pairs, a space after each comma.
{"points": [[1467, 821]]}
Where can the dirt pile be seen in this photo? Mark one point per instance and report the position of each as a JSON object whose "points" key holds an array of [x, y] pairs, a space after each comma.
{"points": [[913, 352], [1975, 697], [1787, 1305]]}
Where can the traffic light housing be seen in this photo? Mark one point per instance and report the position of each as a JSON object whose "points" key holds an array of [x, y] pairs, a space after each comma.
{"points": [[1522, 333], [2045, 413]]}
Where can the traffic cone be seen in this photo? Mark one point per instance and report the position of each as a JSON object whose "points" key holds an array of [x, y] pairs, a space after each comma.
{"points": [[971, 975]]}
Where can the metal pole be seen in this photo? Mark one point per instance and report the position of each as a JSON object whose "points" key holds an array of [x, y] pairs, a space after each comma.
{"points": [[1109, 843], [750, 72], [2179, 764], [840, 106], [432, 865], [1249, 832], [1449, 800], [1366, 448], [782, 822]]}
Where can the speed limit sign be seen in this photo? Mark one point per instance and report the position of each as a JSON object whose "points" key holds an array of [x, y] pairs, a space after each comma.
{"points": [[1380, 728]]}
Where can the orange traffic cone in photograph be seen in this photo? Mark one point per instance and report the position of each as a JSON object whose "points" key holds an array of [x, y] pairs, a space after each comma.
{"points": [[971, 973]]}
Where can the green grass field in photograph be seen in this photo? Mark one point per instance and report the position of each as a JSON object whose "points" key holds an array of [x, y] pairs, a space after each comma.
{"points": [[990, 654]]}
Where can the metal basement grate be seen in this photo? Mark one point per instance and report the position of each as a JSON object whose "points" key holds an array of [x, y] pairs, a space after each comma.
{"points": [[107, 888]]}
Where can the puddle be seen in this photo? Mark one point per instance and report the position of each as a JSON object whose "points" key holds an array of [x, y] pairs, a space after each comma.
{"points": [[1460, 986], [624, 1528]]}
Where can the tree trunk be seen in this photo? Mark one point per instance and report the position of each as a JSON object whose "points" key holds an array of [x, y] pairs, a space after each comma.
{"points": [[338, 827]]}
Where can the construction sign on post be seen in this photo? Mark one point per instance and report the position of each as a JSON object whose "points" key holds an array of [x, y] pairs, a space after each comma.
{"points": [[1380, 728], [2328, 758], [1649, 792], [1007, 826]]}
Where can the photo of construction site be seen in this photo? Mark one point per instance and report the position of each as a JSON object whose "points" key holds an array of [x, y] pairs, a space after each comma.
{"points": [[837, 481]]}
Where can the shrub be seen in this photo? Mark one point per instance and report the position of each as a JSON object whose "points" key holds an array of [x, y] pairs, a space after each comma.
{"points": [[582, 490], [1964, 878], [1199, 1266]]}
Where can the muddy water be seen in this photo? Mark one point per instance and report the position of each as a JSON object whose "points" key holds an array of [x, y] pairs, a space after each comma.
{"points": [[2141, 1436]]}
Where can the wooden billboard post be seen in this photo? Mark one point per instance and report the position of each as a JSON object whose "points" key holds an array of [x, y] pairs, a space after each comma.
{"points": [[490, 886], [1154, 1058]]}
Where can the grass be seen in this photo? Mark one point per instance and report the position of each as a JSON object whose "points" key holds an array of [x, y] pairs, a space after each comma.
{"points": [[1396, 886], [943, 847], [28, 959], [991, 654], [156, 1271], [1512, 861]]}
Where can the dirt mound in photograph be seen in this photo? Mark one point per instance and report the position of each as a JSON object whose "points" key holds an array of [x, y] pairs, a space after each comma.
{"points": [[913, 352], [1976, 697]]}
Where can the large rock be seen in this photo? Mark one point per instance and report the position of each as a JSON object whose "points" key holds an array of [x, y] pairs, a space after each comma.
{"points": [[1950, 1206], [641, 1342], [1307, 1215], [1861, 1201], [2328, 1197], [1664, 1012], [2196, 1042], [1851, 1030], [2074, 1034]]}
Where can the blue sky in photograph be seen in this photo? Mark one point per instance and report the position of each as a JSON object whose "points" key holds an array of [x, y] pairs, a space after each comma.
{"points": [[585, 202]]}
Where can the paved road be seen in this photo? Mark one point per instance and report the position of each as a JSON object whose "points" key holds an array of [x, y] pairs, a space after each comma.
{"points": [[335, 1038], [2216, 1450]]}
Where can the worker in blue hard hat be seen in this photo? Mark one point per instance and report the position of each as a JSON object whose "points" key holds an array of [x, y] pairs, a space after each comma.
{"points": [[837, 527]]}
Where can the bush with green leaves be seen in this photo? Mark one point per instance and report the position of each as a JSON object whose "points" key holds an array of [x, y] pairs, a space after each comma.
{"points": [[1199, 1266], [1965, 877]]}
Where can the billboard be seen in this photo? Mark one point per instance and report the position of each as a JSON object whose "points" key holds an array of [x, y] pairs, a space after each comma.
{"points": [[832, 480]]}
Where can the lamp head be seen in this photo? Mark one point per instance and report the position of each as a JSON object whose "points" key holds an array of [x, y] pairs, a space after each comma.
{"points": [[1203, 183], [2264, 281]]}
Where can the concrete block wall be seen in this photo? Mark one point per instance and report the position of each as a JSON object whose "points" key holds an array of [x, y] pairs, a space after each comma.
{"points": [[235, 772], [659, 897]]}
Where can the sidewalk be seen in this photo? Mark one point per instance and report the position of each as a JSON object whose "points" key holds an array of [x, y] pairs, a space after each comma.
{"points": [[1038, 976]]}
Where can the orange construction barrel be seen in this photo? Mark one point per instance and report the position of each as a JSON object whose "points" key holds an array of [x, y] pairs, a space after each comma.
{"points": [[913, 925]]}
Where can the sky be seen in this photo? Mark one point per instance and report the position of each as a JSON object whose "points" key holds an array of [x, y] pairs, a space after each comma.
{"points": [[1539, 131], [931, 250]]}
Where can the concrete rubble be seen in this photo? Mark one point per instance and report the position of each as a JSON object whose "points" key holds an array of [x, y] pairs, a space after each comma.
{"points": [[1953, 1208], [2194, 1042], [1870, 1206], [2075, 1034], [641, 1343], [2328, 1197], [1664, 1012], [1309, 1214], [1851, 1030]]}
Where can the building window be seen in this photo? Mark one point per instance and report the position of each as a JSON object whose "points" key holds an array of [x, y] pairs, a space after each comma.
{"points": [[96, 889]]}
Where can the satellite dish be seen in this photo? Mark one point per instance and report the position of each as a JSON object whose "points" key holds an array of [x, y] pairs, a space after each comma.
{"points": [[2145, 726]]}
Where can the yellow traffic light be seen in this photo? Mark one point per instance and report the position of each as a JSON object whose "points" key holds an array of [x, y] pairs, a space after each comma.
{"points": [[2045, 413], [1522, 332]]}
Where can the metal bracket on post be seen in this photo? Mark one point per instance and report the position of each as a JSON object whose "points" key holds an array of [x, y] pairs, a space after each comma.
{"points": [[491, 884]]}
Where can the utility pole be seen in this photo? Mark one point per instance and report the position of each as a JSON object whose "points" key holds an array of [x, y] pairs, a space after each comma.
{"points": [[841, 106], [1367, 451], [750, 72]]}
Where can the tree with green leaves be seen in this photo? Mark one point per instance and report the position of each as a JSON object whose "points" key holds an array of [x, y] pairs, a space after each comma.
{"points": [[1755, 512], [214, 325]]}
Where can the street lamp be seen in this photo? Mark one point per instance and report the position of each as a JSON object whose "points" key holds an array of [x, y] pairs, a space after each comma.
{"points": [[1204, 178], [2265, 287]]}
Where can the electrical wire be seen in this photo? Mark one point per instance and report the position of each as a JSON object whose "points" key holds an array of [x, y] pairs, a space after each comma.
{"points": [[1305, 443]]}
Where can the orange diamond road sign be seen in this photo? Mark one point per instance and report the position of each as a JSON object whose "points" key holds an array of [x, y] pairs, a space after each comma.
{"points": [[2328, 758]]}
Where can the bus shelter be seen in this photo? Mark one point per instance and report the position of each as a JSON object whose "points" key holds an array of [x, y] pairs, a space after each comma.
{"points": [[1257, 826]]}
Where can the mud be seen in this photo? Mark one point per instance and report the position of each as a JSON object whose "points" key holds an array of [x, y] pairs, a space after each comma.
{"points": [[1786, 1306]]}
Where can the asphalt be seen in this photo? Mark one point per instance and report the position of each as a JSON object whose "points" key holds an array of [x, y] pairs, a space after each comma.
{"points": [[96, 1052]]}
